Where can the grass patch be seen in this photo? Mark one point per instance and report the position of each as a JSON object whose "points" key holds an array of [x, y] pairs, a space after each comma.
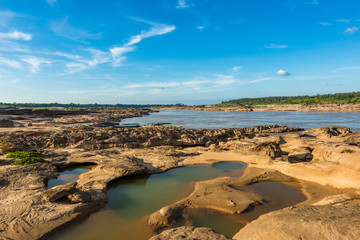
{"points": [[26, 158], [26, 161], [22, 155], [347, 151]]}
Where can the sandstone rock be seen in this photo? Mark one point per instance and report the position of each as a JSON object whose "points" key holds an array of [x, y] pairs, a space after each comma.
{"points": [[193, 233], [300, 154], [326, 132], [78, 197], [270, 148], [58, 192], [306, 222]]}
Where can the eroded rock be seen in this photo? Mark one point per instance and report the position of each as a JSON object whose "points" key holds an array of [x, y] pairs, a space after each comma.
{"points": [[201, 233], [306, 222]]}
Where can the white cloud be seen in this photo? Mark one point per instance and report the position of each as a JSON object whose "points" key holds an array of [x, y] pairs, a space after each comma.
{"points": [[34, 62], [9, 62], [64, 29], [351, 30], [51, 2], [6, 17], [343, 20], [16, 35], [325, 23], [347, 68], [282, 73], [118, 53], [75, 67], [236, 68], [276, 46], [157, 29], [201, 28], [182, 4], [260, 79]]}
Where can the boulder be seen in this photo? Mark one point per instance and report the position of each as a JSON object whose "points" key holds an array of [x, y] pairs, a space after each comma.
{"points": [[326, 132], [58, 192], [300, 154]]}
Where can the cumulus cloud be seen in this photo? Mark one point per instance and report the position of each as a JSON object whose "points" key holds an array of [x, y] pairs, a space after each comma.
{"points": [[282, 73], [276, 46], [351, 30], [16, 35], [34, 62]]}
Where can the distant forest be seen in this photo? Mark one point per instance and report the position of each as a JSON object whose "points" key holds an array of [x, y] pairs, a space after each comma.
{"points": [[77, 105], [337, 98]]}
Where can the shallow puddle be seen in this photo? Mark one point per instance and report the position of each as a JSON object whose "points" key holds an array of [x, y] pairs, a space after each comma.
{"points": [[132, 199], [68, 175], [276, 195]]}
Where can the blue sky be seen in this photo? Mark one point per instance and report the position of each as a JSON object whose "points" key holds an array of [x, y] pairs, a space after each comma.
{"points": [[170, 51]]}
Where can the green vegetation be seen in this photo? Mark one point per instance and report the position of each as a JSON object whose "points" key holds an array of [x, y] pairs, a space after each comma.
{"points": [[22, 155], [348, 151], [26, 161], [26, 158], [6, 146], [337, 98]]}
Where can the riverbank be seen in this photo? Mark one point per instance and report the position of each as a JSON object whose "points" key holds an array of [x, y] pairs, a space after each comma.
{"points": [[322, 162], [272, 108]]}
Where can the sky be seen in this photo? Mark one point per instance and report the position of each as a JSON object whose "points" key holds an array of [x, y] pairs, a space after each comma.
{"points": [[176, 51]]}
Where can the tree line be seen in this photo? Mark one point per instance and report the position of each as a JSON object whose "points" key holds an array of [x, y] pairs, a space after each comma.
{"points": [[336, 98]]}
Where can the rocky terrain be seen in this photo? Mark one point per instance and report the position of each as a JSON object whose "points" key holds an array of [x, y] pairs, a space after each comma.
{"points": [[323, 162], [274, 108]]}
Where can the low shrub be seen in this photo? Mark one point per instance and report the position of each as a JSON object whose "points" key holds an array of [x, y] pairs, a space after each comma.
{"points": [[26, 158], [348, 151], [22, 155]]}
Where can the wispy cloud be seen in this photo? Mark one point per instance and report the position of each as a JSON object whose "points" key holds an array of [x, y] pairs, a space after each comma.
{"points": [[16, 35], [182, 4], [10, 62], [276, 46], [51, 2], [351, 30], [7, 16], [34, 62], [157, 29], [201, 28], [236, 69], [217, 80], [325, 23], [63, 28], [343, 20], [347, 68]]}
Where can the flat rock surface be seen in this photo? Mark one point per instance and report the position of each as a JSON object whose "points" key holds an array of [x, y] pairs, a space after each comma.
{"points": [[305, 222]]}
